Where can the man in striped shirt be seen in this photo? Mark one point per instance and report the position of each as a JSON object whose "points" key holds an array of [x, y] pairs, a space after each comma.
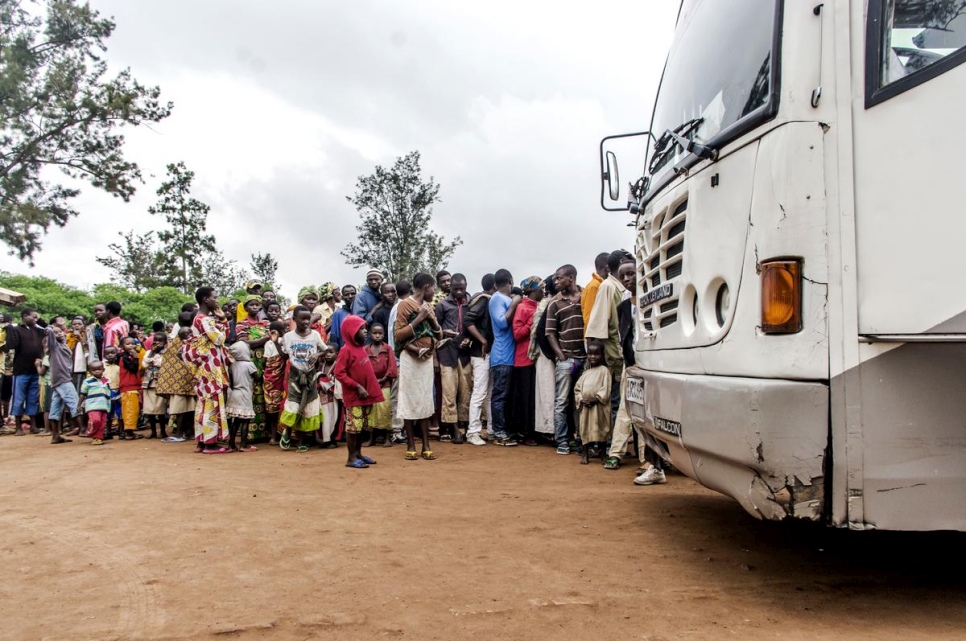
{"points": [[565, 333]]}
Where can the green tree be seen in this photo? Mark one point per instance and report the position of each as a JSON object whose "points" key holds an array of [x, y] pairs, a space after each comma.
{"points": [[395, 209], [137, 263], [226, 276], [162, 303], [185, 241], [48, 296], [59, 109], [264, 268]]}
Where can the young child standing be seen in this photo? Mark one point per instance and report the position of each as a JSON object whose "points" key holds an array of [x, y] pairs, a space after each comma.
{"points": [[360, 388], [384, 366], [240, 406], [95, 398], [329, 393], [112, 371], [155, 405], [592, 399], [131, 381], [302, 412], [274, 377]]}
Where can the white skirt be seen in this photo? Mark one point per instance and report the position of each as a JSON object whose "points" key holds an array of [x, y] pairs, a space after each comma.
{"points": [[415, 388], [546, 394]]}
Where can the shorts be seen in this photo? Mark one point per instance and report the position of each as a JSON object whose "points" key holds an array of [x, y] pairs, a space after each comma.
{"points": [[357, 419], [181, 404], [26, 395], [63, 396]]}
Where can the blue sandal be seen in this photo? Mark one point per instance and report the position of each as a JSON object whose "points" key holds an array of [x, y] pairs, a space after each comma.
{"points": [[367, 460], [358, 464]]}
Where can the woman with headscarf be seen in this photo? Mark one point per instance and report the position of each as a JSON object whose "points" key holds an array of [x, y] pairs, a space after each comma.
{"points": [[254, 333], [309, 298], [329, 298]]}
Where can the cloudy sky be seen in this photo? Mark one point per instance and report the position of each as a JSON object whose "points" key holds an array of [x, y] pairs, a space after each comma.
{"points": [[280, 106]]}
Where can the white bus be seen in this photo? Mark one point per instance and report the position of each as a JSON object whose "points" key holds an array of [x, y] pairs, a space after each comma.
{"points": [[801, 244]]}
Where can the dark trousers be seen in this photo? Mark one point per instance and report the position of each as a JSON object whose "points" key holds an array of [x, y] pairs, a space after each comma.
{"points": [[523, 386], [499, 389]]}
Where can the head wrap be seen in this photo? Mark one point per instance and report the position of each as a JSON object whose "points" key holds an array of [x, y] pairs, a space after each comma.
{"points": [[327, 291], [305, 291], [374, 272], [531, 283], [250, 298]]}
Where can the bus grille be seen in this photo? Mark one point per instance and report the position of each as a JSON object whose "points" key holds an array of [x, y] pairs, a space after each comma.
{"points": [[661, 260]]}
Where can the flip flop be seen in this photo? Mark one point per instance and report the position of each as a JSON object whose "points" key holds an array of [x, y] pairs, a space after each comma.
{"points": [[358, 464], [285, 443], [428, 455], [412, 456], [61, 440], [367, 460], [220, 450], [250, 448], [302, 449]]}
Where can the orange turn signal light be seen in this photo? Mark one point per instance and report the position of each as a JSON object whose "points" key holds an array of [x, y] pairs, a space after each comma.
{"points": [[781, 296]]}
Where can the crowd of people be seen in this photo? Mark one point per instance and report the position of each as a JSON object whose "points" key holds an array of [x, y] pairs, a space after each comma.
{"points": [[541, 362]]}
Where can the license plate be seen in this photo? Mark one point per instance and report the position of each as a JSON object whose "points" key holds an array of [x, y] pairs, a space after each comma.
{"points": [[635, 391], [667, 426], [658, 293]]}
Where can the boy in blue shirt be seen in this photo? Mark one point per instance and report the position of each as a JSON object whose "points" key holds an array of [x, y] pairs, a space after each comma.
{"points": [[502, 307]]}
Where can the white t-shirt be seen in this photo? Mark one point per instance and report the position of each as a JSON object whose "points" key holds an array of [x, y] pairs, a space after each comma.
{"points": [[301, 348]]}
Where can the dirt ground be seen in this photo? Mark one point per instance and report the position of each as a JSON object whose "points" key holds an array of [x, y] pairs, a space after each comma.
{"points": [[147, 540]]}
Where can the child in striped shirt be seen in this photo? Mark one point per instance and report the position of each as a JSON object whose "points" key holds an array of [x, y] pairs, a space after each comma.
{"points": [[95, 397]]}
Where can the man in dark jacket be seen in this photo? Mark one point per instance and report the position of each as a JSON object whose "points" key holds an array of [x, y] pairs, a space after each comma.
{"points": [[477, 337], [26, 340]]}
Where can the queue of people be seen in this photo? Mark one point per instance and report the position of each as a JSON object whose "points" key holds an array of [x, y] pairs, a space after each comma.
{"points": [[539, 362]]}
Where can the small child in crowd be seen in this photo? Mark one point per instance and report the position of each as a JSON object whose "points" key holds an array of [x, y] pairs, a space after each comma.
{"points": [[360, 388], [302, 411], [592, 402], [155, 405], [329, 393], [130, 379], [95, 398], [240, 407], [273, 385], [384, 365], [112, 371]]}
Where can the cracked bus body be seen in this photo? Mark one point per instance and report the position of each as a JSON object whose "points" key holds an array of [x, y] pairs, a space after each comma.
{"points": [[820, 137]]}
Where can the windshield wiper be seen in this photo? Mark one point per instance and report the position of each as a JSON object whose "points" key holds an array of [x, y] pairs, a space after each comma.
{"points": [[663, 147]]}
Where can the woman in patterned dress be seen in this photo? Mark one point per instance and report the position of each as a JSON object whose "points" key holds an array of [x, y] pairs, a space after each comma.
{"points": [[206, 351], [254, 332]]}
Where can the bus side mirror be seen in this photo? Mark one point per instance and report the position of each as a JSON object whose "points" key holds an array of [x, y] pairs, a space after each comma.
{"points": [[610, 183]]}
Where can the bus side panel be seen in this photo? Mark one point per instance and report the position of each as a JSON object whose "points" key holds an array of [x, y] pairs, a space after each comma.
{"points": [[914, 436]]}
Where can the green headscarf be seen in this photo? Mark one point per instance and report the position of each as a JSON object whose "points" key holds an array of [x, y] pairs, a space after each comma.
{"points": [[305, 291]]}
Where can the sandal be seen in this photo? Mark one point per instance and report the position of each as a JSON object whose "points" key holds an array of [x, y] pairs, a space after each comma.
{"points": [[612, 463], [412, 456], [220, 450], [367, 460], [285, 443], [302, 449], [428, 455], [358, 464]]}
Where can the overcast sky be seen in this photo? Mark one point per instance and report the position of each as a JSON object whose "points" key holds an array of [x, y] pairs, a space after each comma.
{"points": [[280, 106]]}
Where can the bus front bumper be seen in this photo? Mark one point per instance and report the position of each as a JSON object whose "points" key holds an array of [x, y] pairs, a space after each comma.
{"points": [[760, 441]]}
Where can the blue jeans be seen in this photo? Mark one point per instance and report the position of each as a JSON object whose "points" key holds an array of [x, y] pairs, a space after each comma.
{"points": [[565, 372], [499, 388], [26, 395], [64, 396]]}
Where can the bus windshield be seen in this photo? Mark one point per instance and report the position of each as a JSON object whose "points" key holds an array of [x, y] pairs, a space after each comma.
{"points": [[719, 70]]}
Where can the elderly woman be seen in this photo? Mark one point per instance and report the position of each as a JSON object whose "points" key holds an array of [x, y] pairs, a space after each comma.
{"points": [[330, 297]]}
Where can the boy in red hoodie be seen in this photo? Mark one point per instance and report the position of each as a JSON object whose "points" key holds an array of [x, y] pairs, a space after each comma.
{"points": [[360, 388]]}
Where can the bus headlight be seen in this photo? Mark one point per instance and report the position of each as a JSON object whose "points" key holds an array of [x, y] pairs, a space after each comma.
{"points": [[781, 296]]}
